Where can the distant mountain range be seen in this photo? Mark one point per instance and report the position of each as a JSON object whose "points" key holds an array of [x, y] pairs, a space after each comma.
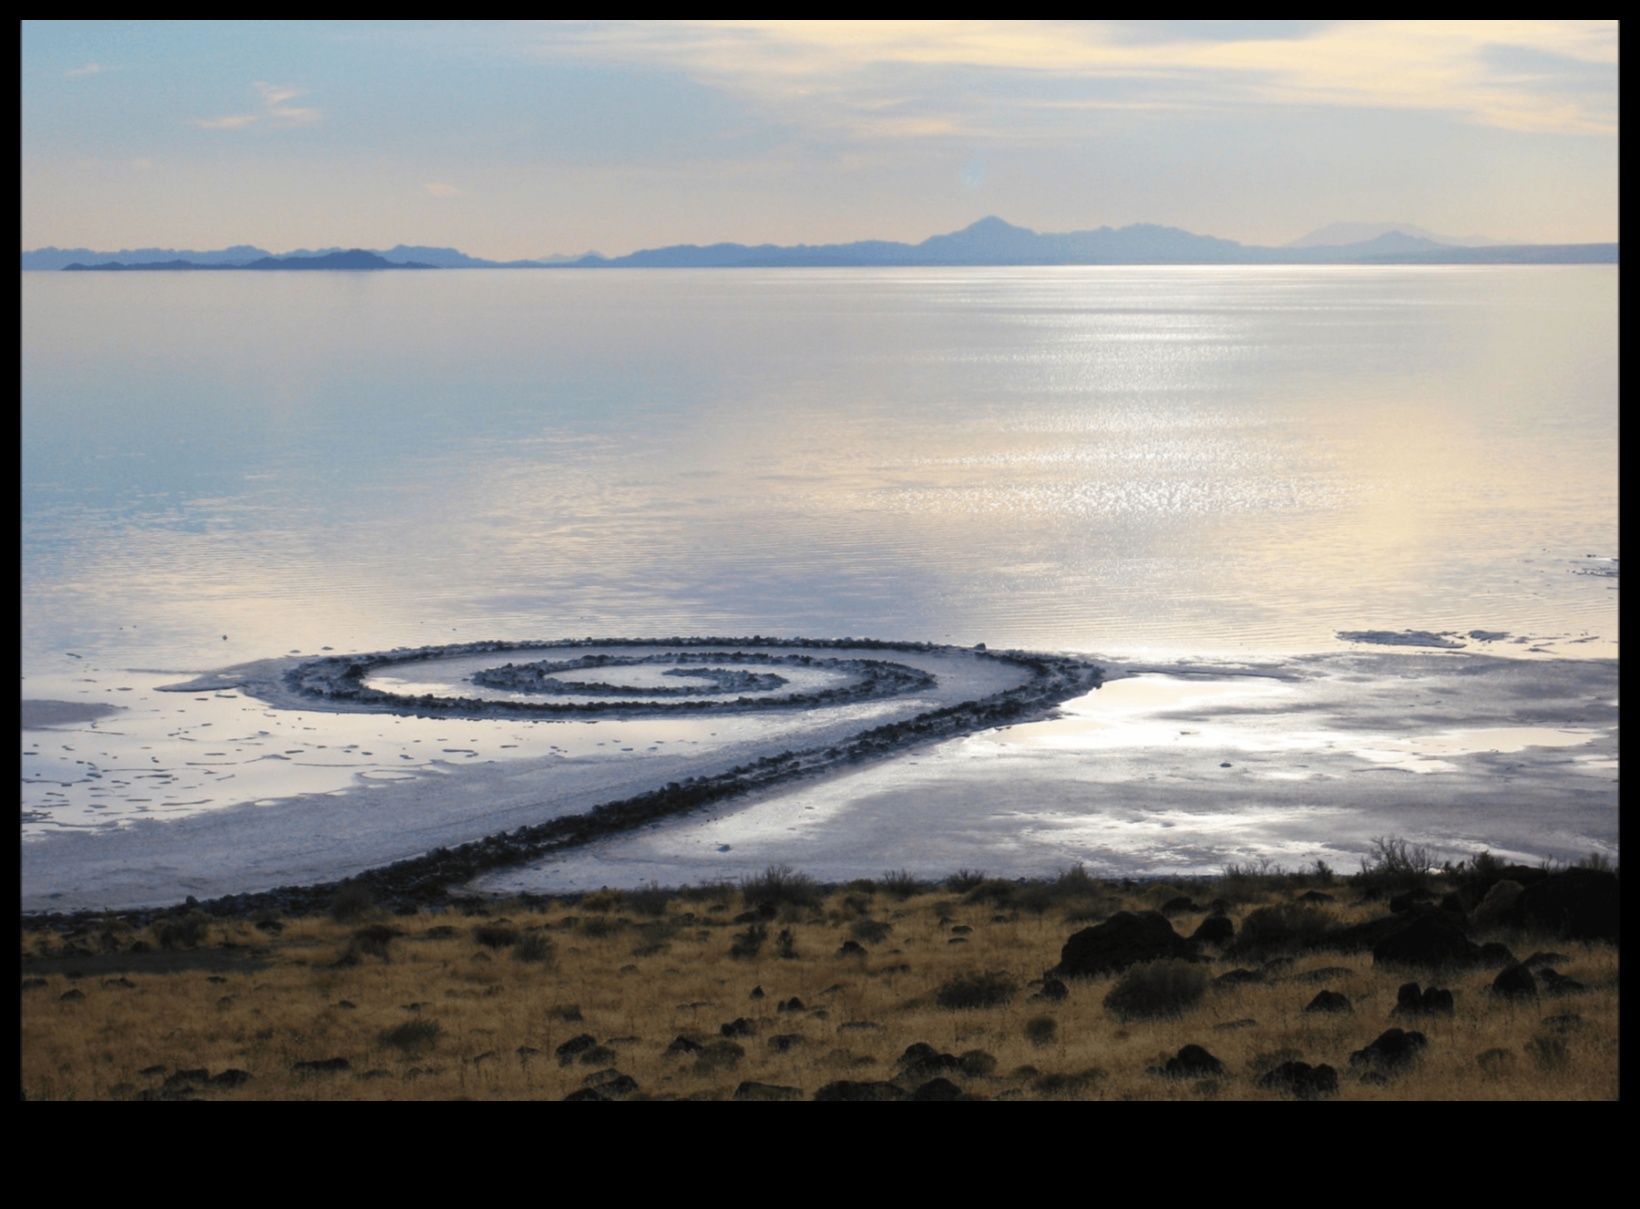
{"points": [[991, 241]]}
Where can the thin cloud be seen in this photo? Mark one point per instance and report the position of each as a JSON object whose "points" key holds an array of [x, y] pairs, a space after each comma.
{"points": [[90, 69], [832, 74], [232, 122], [273, 94], [274, 110], [440, 189]]}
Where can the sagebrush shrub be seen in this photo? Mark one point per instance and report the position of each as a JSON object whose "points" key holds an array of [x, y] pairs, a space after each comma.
{"points": [[412, 1035], [1159, 989], [979, 990], [495, 936], [535, 946], [780, 885]]}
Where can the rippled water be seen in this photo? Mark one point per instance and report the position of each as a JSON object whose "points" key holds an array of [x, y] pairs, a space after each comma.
{"points": [[1094, 459], [1139, 462]]}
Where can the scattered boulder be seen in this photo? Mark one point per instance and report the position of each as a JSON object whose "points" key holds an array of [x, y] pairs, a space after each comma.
{"points": [[718, 1054], [1214, 930], [1496, 907], [1429, 940], [753, 1090], [1410, 1000], [1191, 1062], [1556, 983], [1394, 1049], [1125, 939], [574, 1047], [852, 1090], [1580, 904], [1053, 991], [922, 1061], [1515, 982], [320, 1066], [1329, 1001], [940, 1090]]}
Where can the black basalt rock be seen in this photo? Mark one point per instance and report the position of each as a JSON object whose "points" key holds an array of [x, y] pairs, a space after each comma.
{"points": [[1125, 939], [1430, 941], [1301, 1080], [1393, 1050], [1329, 1001], [1515, 982]]}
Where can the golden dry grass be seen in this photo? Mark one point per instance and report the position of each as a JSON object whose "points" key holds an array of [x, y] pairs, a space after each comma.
{"points": [[436, 1013]]}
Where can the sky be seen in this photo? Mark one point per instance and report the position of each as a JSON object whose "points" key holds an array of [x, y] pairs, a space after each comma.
{"points": [[522, 139]]}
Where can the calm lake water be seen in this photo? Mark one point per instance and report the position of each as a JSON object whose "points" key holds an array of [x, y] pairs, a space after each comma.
{"points": [[1139, 462], [1111, 460]]}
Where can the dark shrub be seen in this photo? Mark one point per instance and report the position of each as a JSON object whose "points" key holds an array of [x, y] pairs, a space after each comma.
{"points": [[901, 884], [747, 943], [374, 939], [412, 1035], [182, 931], [964, 880], [1161, 988], [778, 886], [599, 926], [1288, 928], [1041, 1030], [995, 890], [1396, 867], [871, 931], [495, 936], [970, 991], [535, 946], [648, 900]]}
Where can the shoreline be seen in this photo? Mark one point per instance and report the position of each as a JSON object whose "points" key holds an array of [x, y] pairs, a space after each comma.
{"points": [[840, 807]]}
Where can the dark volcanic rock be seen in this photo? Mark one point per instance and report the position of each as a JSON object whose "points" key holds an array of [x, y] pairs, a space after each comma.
{"points": [[1192, 1062], [1581, 904], [1516, 981], [321, 1066], [569, 1050], [1125, 939], [1430, 941], [1393, 1050], [1214, 930], [939, 1090], [753, 1090], [849, 1089], [1052, 991], [1329, 1001], [1411, 1001]]}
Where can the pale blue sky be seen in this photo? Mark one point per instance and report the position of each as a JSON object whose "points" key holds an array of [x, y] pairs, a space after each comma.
{"points": [[525, 139]]}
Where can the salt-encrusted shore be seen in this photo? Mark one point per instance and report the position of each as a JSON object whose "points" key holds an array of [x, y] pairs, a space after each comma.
{"points": [[412, 840]]}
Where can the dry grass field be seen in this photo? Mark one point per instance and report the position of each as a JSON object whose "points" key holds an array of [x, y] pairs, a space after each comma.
{"points": [[781, 989]]}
